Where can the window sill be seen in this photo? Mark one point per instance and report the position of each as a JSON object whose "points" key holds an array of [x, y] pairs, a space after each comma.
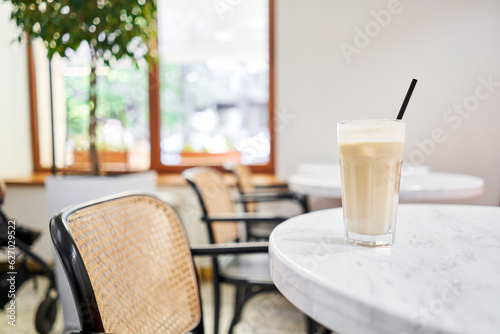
{"points": [[164, 179]]}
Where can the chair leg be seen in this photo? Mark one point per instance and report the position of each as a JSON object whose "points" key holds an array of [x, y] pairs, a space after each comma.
{"points": [[216, 304], [304, 204], [310, 325], [242, 296], [245, 297]]}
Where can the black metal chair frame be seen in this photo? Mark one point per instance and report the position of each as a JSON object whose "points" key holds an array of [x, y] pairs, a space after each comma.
{"points": [[83, 293], [245, 289], [272, 193]]}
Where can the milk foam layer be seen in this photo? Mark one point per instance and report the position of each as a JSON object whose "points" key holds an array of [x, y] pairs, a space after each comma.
{"points": [[378, 130]]}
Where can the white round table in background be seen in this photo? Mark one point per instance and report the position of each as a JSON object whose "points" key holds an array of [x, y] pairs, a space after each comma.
{"points": [[416, 185], [442, 275]]}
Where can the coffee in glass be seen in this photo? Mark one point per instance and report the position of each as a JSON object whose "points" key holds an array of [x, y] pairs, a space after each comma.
{"points": [[371, 155]]}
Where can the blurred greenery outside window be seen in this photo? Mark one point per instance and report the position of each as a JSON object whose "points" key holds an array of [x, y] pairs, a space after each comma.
{"points": [[214, 93], [122, 112]]}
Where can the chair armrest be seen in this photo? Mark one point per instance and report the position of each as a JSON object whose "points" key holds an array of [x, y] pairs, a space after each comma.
{"points": [[270, 197], [230, 248], [247, 217], [276, 186]]}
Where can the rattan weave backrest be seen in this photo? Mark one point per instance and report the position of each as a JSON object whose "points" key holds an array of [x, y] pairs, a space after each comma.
{"points": [[139, 263], [244, 175], [217, 199]]}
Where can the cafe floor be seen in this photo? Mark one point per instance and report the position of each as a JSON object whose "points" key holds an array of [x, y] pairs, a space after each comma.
{"points": [[267, 313]]}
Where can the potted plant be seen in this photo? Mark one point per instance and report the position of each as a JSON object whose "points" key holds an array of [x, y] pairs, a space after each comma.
{"points": [[113, 30]]}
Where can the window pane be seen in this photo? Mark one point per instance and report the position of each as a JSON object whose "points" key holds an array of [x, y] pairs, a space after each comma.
{"points": [[122, 112], [214, 74]]}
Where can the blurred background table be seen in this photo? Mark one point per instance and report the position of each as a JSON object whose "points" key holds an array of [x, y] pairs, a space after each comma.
{"points": [[442, 275], [417, 183]]}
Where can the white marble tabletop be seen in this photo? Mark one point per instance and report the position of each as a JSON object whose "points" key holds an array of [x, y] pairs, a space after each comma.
{"points": [[417, 184], [442, 275]]}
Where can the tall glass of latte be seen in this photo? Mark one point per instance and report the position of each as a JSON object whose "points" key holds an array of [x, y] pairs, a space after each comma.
{"points": [[371, 155]]}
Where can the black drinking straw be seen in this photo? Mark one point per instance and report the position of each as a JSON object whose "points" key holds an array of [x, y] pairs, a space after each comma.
{"points": [[407, 99]]}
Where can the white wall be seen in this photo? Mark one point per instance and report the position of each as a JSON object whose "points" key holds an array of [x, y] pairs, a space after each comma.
{"points": [[447, 45], [15, 139]]}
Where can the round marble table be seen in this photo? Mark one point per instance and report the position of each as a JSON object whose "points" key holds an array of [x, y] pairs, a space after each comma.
{"points": [[442, 275], [415, 186]]}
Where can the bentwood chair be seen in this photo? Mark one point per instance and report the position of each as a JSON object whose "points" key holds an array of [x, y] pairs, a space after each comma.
{"points": [[250, 195], [130, 266], [253, 194], [248, 273]]}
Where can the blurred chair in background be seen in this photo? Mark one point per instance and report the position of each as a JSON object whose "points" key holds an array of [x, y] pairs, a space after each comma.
{"points": [[249, 273], [251, 195]]}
